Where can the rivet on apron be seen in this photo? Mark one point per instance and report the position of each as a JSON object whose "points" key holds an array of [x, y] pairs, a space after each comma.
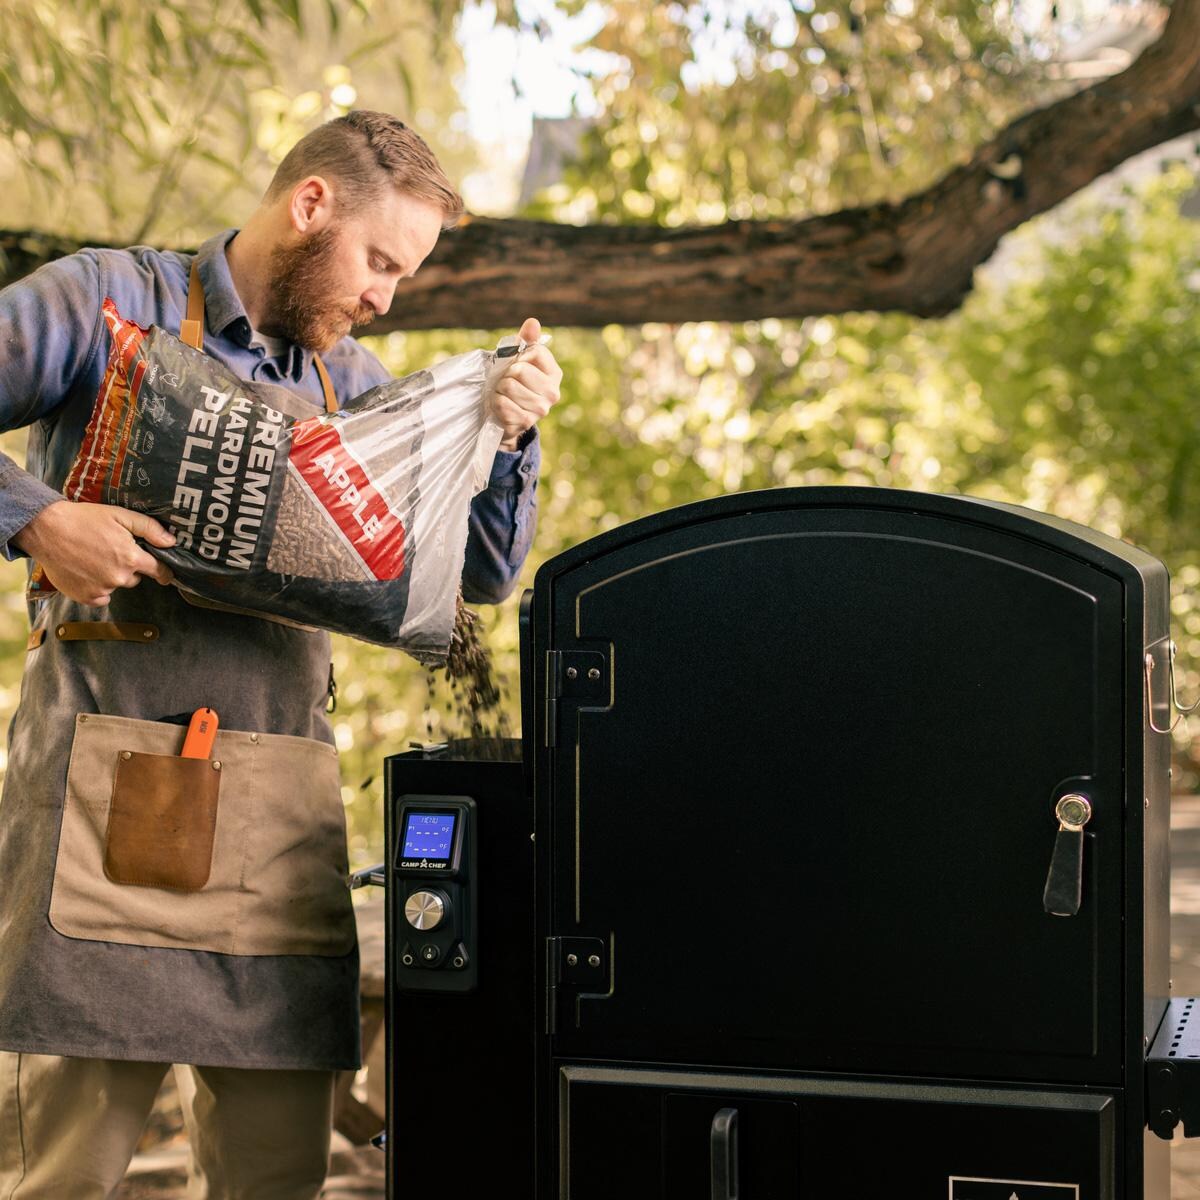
{"points": [[126, 753], [216, 765], [61, 630], [254, 737], [83, 719]]}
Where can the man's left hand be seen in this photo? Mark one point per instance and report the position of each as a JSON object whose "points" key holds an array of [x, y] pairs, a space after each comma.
{"points": [[528, 389]]}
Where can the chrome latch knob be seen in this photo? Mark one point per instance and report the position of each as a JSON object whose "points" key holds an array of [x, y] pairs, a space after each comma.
{"points": [[1073, 811], [1064, 881]]}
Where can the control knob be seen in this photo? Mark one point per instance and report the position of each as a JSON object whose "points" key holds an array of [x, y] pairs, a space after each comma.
{"points": [[426, 909]]}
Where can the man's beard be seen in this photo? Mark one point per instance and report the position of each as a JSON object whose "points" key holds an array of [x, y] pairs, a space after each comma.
{"points": [[302, 279]]}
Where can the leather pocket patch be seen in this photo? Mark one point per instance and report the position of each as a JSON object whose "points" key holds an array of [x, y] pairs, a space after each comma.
{"points": [[162, 821], [278, 852]]}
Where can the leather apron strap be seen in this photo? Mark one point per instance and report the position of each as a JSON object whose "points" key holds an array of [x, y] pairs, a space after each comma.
{"points": [[191, 328], [96, 631], [191, 331], [331, 404]]}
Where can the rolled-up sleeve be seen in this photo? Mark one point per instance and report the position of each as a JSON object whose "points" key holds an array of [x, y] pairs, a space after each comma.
{"points": [[503, 519], [49, 331]]}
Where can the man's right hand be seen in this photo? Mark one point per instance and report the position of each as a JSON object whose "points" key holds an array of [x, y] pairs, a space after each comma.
{"points": [[88, 550]]}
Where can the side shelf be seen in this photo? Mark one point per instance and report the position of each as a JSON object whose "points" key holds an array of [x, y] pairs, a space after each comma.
{"points": [[1173, 1070]]}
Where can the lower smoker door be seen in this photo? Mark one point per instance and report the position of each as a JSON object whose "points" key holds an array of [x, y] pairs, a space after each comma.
{"points": [[645, 1135], [813, 812]]}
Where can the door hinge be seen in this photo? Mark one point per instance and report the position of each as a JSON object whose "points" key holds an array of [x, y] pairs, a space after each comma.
{"points": [[576, 676], [580, 966]]}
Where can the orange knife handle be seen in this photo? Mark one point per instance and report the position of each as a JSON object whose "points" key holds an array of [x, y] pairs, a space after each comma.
{"points": [[201, 734]]}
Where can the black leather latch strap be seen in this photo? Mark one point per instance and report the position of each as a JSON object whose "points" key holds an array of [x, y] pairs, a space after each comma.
{"points": [[1064, 882]]}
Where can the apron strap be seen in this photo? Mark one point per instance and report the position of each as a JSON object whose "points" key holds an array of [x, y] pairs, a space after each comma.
{"points": [[105, 631], [191, 331], [331, 404], [191, 328]]}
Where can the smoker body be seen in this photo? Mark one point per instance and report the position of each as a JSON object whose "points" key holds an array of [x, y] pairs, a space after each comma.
{"points": [[796, 760], [460, 1076]]}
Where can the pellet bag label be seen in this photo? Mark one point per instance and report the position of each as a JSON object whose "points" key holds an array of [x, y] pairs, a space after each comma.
{"points": [[346, 494], [354, 521]]}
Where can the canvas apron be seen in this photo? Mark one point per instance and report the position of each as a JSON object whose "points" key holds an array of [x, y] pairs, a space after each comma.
{"points": [[156, 908]]}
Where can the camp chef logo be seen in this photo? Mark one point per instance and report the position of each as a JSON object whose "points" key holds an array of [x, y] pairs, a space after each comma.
{"points": [[341, 486], [965, 1187]]}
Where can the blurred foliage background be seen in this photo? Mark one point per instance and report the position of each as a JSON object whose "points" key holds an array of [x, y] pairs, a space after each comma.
{"points": [[1067, 382]]}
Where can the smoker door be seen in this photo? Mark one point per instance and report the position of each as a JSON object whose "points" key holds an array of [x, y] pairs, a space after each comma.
{"points": [[811, 815], [659, 1135]]}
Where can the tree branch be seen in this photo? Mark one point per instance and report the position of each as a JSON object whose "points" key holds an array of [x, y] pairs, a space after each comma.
{"points": [[917, 256]]}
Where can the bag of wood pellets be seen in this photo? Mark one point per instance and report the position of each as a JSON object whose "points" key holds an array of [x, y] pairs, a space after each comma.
{"points": [[354, 521]]}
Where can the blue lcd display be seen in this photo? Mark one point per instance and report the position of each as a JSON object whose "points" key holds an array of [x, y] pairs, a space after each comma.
{"points": [[429, 835]]}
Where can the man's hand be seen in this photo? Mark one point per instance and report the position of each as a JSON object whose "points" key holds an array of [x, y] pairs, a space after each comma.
{"points": [[528, 389], [87, 550]]}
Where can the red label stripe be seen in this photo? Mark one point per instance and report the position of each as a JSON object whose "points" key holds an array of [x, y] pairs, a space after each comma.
{"points": [[86, 480], [342, 487]]}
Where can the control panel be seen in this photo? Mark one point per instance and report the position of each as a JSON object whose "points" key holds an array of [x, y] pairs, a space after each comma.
{"points": [[435, 914]]}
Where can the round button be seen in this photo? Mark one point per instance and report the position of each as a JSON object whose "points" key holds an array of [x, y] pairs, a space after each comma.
{"points": [[425, 909], [1074, 810], [430, 953]]}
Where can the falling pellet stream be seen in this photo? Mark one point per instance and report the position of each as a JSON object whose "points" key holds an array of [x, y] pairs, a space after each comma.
{"points": [[474, 708]]}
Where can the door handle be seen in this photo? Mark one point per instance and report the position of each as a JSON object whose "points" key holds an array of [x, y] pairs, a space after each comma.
{"points": [[723, 1154], [1064, 883]]}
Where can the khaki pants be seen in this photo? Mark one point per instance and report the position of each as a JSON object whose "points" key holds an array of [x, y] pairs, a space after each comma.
{"points": [[69, 1126]]}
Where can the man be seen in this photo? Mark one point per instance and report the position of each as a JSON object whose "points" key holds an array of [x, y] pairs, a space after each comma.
{"points": [[251, 978]]}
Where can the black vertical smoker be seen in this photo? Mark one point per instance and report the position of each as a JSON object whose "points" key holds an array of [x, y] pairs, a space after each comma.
{"points": [[851, 812]]}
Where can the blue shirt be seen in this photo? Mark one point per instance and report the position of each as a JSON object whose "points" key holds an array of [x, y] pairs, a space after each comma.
{"points": [[54, 350]]}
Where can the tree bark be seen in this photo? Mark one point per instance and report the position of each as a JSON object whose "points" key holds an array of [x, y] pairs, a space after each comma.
{"points": [[917, 256]]}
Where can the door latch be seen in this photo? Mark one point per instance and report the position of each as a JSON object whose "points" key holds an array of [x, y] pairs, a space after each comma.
{"points": [[1064, 882]]}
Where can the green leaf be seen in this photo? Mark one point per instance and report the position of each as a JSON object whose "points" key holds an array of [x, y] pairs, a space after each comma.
{"points": [[292, 11], [369, 49]]}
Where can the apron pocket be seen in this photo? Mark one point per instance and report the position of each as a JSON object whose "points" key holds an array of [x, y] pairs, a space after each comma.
{"points": [[162, 821], [262, 872]]}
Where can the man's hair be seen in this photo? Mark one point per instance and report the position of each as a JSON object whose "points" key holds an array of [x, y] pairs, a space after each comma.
{"points": [[363, 152]]}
